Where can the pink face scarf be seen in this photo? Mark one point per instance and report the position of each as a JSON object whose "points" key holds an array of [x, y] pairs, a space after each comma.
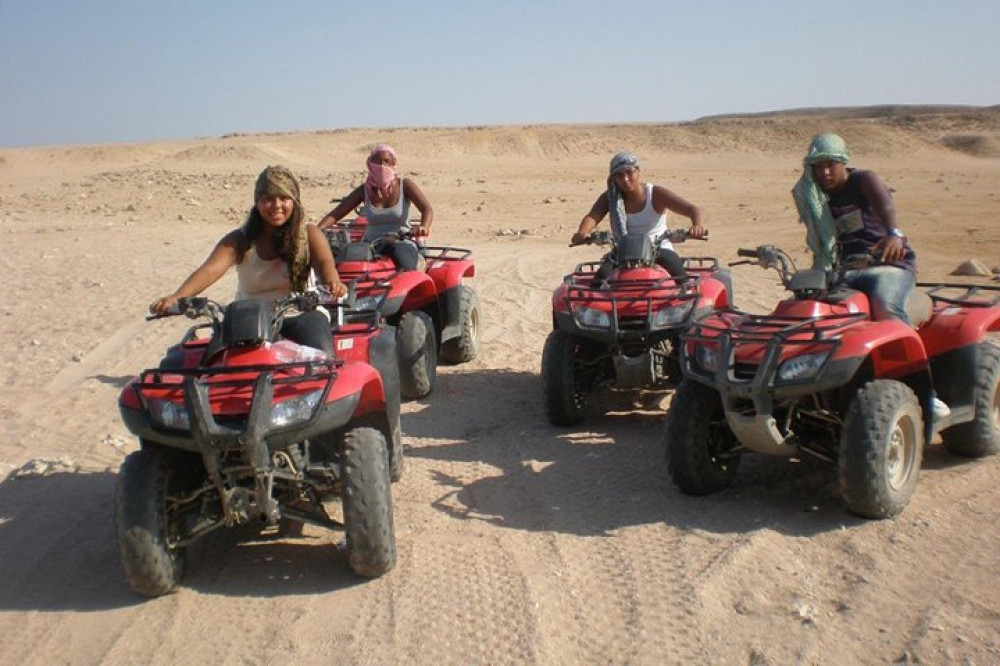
{"points": [[380, 176]]}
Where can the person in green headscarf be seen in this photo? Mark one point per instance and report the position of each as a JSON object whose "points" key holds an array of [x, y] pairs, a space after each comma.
{"points": [[813, 203], [851, 227], [275, 253]]}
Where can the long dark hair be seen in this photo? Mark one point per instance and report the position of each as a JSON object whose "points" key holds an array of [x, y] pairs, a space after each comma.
{"points": [[287, 239], [284, 236], [291, 240]]}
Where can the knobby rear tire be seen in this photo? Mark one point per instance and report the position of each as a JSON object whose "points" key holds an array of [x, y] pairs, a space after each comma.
{"points": [[981, 436], [465, 347], [416, 347]]}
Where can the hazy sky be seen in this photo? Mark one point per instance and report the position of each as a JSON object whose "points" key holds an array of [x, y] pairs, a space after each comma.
{"points": [[93, 71]]}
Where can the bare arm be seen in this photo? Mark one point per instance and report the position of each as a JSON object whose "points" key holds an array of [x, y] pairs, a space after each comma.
{"points": [[413, 192], [222, 257], [664, 200], [321, 260], [346, 205], [590, 221], [878, 197]]}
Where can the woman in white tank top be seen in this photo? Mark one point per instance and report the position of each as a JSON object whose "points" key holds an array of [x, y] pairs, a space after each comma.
{"points": [[275, 253], [386, 198], [638, 207]]}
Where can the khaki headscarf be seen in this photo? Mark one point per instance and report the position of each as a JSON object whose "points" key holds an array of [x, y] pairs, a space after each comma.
{"points": [[292, 239], [813, 203]]}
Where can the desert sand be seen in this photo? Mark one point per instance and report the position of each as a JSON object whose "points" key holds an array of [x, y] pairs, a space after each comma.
{"points": [[519, 542]]}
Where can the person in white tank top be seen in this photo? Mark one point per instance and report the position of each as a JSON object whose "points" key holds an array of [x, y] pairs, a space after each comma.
{"points": [[275, 253], [638, 207], [386, 199]]}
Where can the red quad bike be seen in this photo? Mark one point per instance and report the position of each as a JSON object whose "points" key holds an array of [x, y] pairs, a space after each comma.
{"points": [[819, 376], [238, 427], [623, 332], [432, 308]]}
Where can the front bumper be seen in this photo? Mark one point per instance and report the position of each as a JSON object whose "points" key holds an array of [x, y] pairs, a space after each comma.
{"points": [[751, 391]]}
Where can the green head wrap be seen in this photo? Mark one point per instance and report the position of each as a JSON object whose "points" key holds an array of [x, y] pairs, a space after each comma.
{"points": [[827, 147], [812, 202]]}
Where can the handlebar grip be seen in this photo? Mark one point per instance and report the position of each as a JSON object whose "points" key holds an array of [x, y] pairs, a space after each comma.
{"points": [[743, 252]]}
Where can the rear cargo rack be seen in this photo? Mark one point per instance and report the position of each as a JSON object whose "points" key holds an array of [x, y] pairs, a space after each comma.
{"points": [[444, 253], [969, 296]]}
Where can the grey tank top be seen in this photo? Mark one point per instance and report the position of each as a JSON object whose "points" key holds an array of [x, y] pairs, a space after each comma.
{"points": [[387, 220]]}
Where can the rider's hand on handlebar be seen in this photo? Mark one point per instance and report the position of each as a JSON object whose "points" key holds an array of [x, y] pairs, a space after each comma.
{"points": [[420, 231], [331, 293], [337, 289], [578, 239], [165, 305], [697, 231]]}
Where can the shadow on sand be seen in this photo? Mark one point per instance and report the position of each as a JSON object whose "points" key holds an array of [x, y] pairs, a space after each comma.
{"points": [[607, 473], [59, 552]]}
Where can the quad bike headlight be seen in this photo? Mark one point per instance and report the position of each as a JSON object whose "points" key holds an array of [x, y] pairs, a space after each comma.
{"points": [[366, 303], [295, 410], [802, 367], [707, 357], [592, 318], [169, 414], [672, 316]]}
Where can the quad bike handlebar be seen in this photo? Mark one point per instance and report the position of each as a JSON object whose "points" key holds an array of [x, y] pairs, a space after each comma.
{"points": [[768, 256], [375, 293], [604, 237], [192, 307], [339, 237], [195, 307]]}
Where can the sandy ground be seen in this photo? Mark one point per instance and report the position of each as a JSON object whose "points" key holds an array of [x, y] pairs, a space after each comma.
{"points": [[519, 542]]}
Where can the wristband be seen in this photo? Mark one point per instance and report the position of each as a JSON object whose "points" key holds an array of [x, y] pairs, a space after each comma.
{"points": [[897, 232]]}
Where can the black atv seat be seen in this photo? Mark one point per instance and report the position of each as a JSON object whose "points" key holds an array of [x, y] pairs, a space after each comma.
{"points": [[356, 252]]}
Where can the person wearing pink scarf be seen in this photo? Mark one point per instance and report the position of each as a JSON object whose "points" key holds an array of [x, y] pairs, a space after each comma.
{"points": [[385, 198]]}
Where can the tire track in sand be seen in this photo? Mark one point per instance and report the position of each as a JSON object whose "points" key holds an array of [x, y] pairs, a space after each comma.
{"points": [[421, 619]]}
